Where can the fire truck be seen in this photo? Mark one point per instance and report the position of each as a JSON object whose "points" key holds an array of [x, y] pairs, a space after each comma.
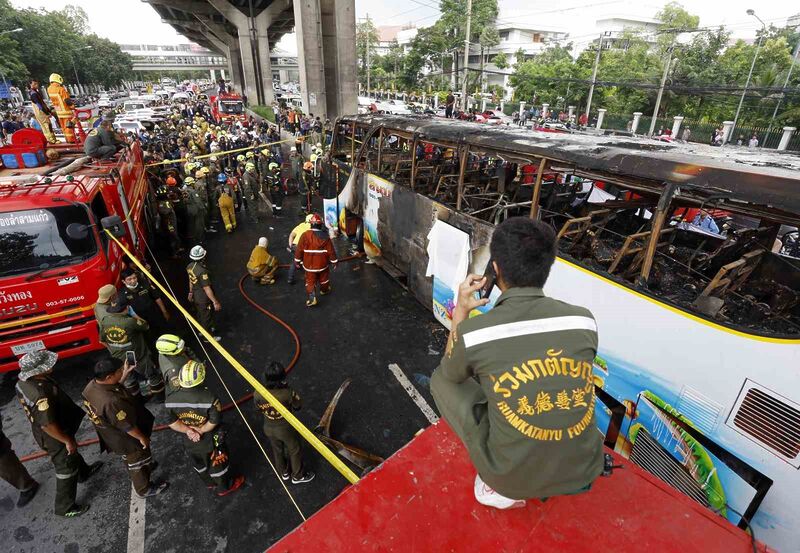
{"points": [[228, 107], [54, 251]]}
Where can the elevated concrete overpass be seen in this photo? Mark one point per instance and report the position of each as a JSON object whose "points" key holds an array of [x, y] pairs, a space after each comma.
{"points": [[244, 31], [165, 57]]}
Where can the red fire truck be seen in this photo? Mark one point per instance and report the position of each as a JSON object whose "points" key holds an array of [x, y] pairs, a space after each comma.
{"points": [[54, 253], [228, 107]]}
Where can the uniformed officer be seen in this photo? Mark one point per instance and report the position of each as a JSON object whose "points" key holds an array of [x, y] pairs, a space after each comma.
{"points": [[122, 331], [251, 189], [123, 424], [14, 472], [225, 194], [173, 354], [275, 186], [200, 292], [168, 221], [105, 295], [146, 301], [102, 142], [196, 412], [528, 420], [282, 437], [195, 217], [54, 419]]}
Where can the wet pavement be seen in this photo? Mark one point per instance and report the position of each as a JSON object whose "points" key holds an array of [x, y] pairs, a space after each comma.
{"points": [[367, 323]]}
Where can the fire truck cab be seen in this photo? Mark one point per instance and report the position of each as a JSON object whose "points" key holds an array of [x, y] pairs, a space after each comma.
{"points": [[55, 253], [228, 107]]}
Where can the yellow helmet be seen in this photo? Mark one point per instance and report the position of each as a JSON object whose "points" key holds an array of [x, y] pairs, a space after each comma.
{"points": [[188, 180], [265, 151], [169, 344], [251, 153], [248, 166], [199, 174], [240, 157], [56, 78], [205, 170], [193, 373], [313, 158]]}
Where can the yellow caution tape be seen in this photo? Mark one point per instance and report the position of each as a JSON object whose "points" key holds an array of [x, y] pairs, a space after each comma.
{"points": [[217, 154], [253, 381]]}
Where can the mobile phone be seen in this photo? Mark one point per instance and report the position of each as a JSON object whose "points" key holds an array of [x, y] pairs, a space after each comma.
{"points": [[130, 358], [491, 277]]}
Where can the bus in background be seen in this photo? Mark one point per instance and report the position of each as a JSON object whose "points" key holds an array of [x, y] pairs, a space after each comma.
{"points": [[699, 324], [54, 252]]}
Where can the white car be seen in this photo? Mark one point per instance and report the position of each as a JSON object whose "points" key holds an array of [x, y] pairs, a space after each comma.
{"points": [[105, 101], [394, 107], [178, 96]]}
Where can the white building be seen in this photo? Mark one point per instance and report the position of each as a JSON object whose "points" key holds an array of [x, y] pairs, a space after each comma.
{"points": [[527, 40], [612, 27], [389, 34]]}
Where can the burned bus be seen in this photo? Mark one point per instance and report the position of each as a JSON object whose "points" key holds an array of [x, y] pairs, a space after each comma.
{"points": [[686, 255]]}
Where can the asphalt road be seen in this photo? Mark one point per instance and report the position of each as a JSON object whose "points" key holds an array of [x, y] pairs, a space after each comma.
{"points": [[367, 323]]}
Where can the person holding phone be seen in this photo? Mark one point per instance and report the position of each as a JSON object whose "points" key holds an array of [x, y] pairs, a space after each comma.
{"points": [[123, 424], [515, 383]]}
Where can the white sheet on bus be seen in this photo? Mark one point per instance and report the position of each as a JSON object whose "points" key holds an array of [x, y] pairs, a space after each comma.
{"points": [[448, 255]]}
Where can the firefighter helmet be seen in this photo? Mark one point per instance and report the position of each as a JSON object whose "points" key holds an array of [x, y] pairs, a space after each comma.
{"points": [[308, 166], [56, 78], [319, 145], [309, 217], [213, 159], [205, 170], [222, 177], [188, 180], [265, 151], [251, 153], [314, 158], [273, 166], [197, 253], [193, 373], [199, 174], [171, 181], [315, 220], [249, 166], [240, 157], [169, 344]]}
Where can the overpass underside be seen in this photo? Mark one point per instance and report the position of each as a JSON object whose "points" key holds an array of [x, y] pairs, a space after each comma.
{"points": [[245, 31]]}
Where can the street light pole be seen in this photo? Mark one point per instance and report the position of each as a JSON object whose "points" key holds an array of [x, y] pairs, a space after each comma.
{"points": [[749, 75], [785, 84], [466, 58], [75, 68], [660, 92], [594, 74]]}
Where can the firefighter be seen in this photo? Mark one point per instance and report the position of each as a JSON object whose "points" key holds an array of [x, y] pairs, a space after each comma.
{"points": [[172, 355], [275, 187], [200, 292], [121, 331], [262, 265], [310, 184], [294, 238], [54, 419], [168, 221], [195, 217], [251, 190], [225, 203], [14, 472], [264, 160], [201, 188], [41, 111], [64, 106], [315, 254], [196, 412], [282, 437], [123, 424]]}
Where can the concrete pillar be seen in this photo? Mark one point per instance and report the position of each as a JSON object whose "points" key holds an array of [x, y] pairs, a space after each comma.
{"points": [[601, 113], [339, 55], [787, 135], [545, 109], [637, 115], [727, 127], [261, 23], [213, 75], [308, 27], [570, 111], [676, 125], [222, 74]]}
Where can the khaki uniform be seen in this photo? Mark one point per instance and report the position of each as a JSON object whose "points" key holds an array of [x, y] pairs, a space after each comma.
{"points": [[114, 412], [194, 407], [528, 423], [171, 365], [282, 437], [44, 403], [122, 333], [199, 279], [11, 469]]}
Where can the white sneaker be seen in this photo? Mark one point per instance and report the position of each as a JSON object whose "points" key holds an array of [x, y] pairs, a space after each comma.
{"points": [[487, 496]]}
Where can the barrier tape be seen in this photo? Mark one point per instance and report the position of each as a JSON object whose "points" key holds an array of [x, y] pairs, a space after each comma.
{"points": [[257, 386], [217, 154]]}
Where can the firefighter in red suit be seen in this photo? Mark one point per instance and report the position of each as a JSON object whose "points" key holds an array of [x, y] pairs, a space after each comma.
{"points": [[315, 254]]}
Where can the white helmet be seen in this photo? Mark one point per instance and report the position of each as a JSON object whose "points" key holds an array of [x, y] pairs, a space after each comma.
{"points": [[198, 252]]}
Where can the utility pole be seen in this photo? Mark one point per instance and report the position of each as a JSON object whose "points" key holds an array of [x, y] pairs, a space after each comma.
{"points": [[660, 92], [749, 75], [594, 75], [783, 89], [367, 41], [466, 57]]}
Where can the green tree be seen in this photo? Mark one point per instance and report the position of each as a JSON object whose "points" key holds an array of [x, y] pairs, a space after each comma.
{"points": [[500, 60], [367, 39]]}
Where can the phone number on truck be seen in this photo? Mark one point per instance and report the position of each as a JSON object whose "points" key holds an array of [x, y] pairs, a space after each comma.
{"points": [[64, 301]]}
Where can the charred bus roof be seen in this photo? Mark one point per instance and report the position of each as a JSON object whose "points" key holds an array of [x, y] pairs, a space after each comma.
{"points": [[761, 177]]}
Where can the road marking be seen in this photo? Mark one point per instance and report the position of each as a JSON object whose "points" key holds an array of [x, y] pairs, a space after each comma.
{"points": [[412, 391], [136, 523]]}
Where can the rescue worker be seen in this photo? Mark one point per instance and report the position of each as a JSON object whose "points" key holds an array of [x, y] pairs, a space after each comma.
{"points": [[196, 412], [64, 106], [41, 111], [121, 331], [225, 203], [201, 189], [102, 142], [195, 218], [105, 295], [54, 419], [173, 354], [310, 184], [146, 301], [315, 254], [200, 292], [275, 187], [251, 190], [123, 424], [168, 221], [14, 472], [294, 238], [262, 265], [264, 159], [282, 437]]}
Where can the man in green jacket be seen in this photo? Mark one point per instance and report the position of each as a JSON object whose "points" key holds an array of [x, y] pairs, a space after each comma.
{"points": [[528, 420]]}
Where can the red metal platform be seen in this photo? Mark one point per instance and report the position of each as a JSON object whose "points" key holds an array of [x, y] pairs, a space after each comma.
{"points": [[420, 500]]}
